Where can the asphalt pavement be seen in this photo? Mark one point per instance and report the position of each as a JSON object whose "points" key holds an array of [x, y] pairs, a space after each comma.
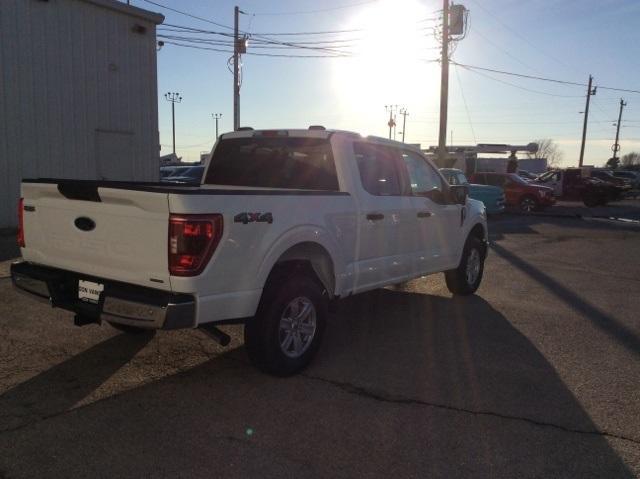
{"points": [[537, 375]]}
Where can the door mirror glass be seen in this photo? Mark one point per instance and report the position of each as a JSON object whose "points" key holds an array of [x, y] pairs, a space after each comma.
{"points": [[458, 194]]}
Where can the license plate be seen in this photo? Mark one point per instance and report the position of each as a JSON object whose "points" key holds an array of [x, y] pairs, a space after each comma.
{"points": [[89, 291]]}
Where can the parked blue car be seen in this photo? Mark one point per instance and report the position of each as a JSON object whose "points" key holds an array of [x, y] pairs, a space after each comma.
{"points": [[491, 196]]}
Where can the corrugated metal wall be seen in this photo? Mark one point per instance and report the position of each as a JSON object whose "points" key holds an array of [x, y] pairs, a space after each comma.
{"points": [[74, 75]]}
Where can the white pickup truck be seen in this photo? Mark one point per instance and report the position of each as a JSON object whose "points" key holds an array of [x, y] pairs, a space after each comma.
{"points": [[284, 222]]}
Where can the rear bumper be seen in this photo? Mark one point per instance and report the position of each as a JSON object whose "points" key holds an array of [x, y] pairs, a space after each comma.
{"points": [[120, 303]]}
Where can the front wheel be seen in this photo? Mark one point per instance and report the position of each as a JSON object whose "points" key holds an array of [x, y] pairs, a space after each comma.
{"points": [[466, 278], [528, 204], [285, 335]]}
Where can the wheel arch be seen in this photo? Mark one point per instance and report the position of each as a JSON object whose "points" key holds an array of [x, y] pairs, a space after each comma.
{"points": [[312, 253], [312, 257], [479, 231]]}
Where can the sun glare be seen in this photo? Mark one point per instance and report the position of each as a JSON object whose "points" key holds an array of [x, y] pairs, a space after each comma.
{"points": [[390, 63]]}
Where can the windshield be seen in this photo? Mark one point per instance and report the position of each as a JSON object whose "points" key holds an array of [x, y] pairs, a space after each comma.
{"points": [[194, 172], [461, 179], [517, 179], [178, 171]]}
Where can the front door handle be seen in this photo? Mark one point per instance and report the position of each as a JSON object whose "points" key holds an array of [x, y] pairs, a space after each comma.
{"points": [[375, 216], [424, 214]]}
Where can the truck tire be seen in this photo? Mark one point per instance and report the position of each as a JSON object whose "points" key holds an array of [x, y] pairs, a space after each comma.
{"points": [[528, 204], [466, 278], [285, 334]]}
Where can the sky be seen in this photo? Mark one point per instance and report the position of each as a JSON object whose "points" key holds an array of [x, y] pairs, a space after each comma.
{"points": [[391, 47]]}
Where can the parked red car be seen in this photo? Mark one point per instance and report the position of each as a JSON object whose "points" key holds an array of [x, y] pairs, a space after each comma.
{"points": [[518, 192]]}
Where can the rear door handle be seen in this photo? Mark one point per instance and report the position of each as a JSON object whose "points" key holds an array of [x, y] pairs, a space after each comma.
{"points": [[375, 216], [424, 214]]}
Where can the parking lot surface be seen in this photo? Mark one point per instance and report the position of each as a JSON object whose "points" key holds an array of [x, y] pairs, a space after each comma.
{"points": [[535, 376]]}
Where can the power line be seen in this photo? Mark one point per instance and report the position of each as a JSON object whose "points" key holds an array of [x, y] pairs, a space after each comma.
{"points": [[256, 34], [259, 45], [252, 53], [503, 50], [553, 80], [185, 29], [514, 85], [518, 34], [472, 67], [168, 27], [464, 100], [307, 12], [188, 14]]}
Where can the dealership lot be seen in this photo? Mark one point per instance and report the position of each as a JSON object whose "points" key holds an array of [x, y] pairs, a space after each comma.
{"points": [[535, 376]]}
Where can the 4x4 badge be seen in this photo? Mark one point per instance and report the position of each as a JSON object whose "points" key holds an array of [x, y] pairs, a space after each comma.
{"points": [[246, 218]]}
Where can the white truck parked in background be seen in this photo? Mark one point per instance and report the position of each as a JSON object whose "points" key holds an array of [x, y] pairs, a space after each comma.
{"points": [[283, 222]]}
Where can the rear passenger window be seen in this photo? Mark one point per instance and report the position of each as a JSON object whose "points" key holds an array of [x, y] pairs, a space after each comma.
{"points": [[266, 162], [377, 167]]}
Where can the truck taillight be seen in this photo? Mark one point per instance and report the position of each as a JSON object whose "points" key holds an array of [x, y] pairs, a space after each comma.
{"points": [[192, 241], [20, 237]]}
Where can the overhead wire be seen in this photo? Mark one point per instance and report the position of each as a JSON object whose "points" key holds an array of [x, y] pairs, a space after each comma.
{"points": [[188, 14], [308, 12], [513, 84], [464, 101], [519, 35], [532, 77], [253, 53]]}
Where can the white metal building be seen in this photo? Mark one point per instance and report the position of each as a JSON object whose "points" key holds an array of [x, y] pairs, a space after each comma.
{"points": [[78, 93]]}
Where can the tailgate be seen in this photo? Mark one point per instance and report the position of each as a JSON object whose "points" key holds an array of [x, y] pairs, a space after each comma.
{"points": [[118, 233]]}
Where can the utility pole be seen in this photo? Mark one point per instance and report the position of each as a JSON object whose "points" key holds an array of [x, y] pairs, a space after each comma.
{"points": [[392, 120], [444, 84], [236, 70], [590, 92], [173, 97], [404, 113], [616, 145], [216, 116]]}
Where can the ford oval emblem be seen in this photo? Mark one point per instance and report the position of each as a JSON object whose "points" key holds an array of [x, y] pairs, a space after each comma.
{"points": [[85, 224]]}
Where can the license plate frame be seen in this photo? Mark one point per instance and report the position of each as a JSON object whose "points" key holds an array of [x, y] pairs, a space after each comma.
{"points": [[90, 291]]}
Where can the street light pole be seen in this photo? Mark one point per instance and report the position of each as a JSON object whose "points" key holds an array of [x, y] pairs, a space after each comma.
{"points": [[173, 97], [216, 116]]}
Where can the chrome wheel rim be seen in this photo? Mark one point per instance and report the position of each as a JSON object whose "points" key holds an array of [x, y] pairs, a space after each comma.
{"points": [[473, 266], [297, 327], [528, 205]]}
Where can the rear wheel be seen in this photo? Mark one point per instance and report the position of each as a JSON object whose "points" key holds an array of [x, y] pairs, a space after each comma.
{"points": [[528, 204], [285, 335], [466, 278]]}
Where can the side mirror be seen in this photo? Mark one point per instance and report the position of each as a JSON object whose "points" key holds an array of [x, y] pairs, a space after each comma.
{"points": [[458, 194]]}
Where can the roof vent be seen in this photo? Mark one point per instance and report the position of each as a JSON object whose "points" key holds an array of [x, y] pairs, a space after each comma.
{"points": [[245, 128], [317, 127]]}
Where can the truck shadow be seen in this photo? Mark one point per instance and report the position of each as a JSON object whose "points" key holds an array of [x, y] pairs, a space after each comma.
{"points": [[608, 324], [406, 385], [59, 388]]}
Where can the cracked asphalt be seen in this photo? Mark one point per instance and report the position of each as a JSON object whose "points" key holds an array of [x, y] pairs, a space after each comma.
{"points": [[538, 375]]}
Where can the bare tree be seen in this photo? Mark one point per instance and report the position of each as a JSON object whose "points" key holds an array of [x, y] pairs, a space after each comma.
{"points": [[548, 149], [631, 159]]}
